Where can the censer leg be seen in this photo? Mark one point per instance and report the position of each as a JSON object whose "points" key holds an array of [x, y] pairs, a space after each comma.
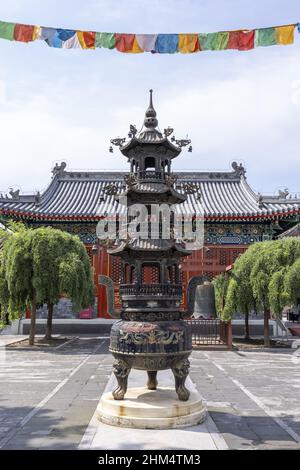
{"points": [[152, 382], [121, 371], [181, 371]]}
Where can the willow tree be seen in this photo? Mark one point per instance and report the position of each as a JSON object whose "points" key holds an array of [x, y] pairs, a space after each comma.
{"points": [[4, 293], [42, 264], [241, 293], [7, 229], [233, 290], [292, 282], [221, 286], [268, 274], [267, 262]]}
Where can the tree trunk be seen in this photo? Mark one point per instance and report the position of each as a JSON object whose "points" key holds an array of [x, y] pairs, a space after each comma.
{"points": [[33, 321], [48, 334], [247, 330], [7, 320], [266, 328]]}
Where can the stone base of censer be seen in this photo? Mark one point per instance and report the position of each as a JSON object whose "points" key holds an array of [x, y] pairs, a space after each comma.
{"points": [[151, 409]]}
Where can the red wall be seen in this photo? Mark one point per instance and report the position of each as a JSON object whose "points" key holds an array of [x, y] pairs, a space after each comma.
{"points": [[215, 260]]}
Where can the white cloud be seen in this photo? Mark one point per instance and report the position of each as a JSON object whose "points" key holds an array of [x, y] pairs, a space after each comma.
{"points": [[57, 105], [249, 116]]}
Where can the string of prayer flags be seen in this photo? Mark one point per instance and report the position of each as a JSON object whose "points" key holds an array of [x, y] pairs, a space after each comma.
{"points": [[240, 40]]}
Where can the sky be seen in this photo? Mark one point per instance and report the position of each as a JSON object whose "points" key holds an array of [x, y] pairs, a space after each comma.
{"points": [[65, 105]]}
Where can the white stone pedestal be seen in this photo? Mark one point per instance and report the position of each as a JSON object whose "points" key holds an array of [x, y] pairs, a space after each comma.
{"points": [[151, 409]]}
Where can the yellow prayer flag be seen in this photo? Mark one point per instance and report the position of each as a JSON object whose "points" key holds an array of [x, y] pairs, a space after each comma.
{"points": [[136, 48], [36, 33], [285, 35], [187, 43], [81, 39]]}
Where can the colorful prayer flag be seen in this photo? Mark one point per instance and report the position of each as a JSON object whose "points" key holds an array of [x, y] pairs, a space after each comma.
{"points": [[146, 42], [166, 43], [205, 41], [265, 37], [65, 34], [36, 33], [23, 32], [106, 40], [47, 33], [7, 30], [87, 39], [285, 35], [54, 41], [241, 40], [136, 48], [72, 43], [188, 43], [220, 41], [124, 42]]}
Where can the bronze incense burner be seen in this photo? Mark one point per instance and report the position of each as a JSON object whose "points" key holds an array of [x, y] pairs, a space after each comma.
{"points": [[151, 334]]}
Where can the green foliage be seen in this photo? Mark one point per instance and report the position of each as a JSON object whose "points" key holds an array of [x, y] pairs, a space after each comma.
{"points": [[244, 300], [278, 296], [221, 285], [4, 292], [45, 263], [266, 276], [9, 227], [292, 282], [230, 300]]}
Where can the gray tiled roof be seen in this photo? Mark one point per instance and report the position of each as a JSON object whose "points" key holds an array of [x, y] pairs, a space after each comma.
{"points": [[82, 194], [292, 232]]}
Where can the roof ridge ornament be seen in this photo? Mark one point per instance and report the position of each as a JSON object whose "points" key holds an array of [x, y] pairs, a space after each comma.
{"points": [[59, 170], [15, 194], [283, 194], [239, 169]]}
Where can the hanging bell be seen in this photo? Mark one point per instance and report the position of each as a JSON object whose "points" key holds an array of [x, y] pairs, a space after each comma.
{"points": [[111, 150], [190, 149]]}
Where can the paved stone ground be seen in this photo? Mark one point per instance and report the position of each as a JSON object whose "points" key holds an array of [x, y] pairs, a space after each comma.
{"points": [[48, 397], [253, 397]]}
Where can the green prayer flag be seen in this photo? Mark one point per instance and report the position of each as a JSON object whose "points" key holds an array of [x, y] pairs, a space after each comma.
{"points": [[265, 37], [105, 40], [205, 41], [7, 30], [220, 41], [213, 41]]}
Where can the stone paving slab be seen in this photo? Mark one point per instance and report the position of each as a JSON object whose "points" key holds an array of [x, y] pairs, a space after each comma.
{"points": [[56, 414], [247, 397], [48, 397]]}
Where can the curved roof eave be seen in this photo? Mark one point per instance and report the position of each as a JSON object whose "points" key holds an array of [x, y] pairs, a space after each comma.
{"points": [[135, 141]]}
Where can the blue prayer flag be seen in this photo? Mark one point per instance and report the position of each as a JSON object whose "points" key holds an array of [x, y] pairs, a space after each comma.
{"points": [[166, 43]]}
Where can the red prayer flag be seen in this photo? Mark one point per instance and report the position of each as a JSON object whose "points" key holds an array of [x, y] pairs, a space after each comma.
{"points": [[233, 41], [23, 32], [89, 39], [124, 42], [241, 40]]}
